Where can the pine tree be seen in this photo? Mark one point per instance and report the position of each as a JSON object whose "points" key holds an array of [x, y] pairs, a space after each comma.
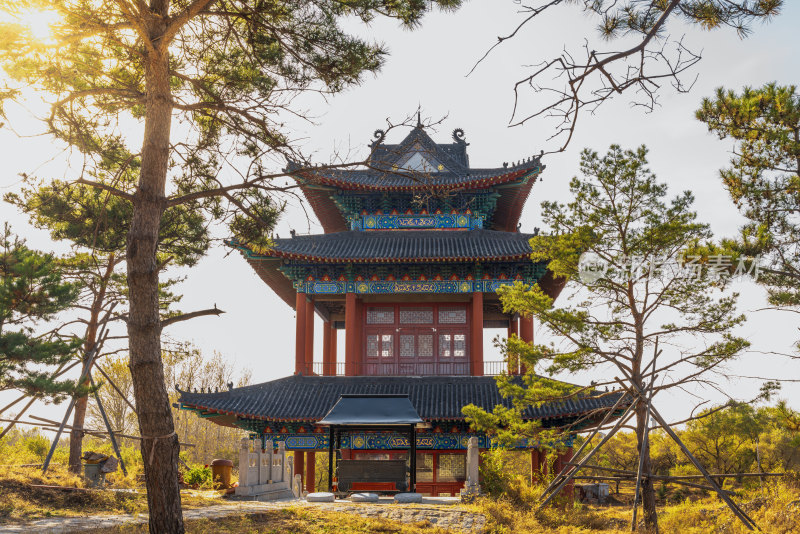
{"points": [[228, 71], [93, 222], [764, 179], [619, 244], [32, 292]]}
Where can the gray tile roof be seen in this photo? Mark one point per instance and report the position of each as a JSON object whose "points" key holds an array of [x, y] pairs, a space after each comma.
{"points": [[406, 245], [387, 166], [308, 398], [400, 178]]}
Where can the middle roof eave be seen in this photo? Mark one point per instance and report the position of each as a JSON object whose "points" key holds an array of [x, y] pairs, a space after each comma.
{"points": [[405, 245]]}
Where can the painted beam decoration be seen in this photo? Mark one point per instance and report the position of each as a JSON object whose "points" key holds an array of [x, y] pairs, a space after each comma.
{"points": [[390, 441], [377, 441], [456, 221], [317, 287]]}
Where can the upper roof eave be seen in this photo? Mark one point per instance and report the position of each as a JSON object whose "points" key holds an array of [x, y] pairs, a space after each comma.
{"points": [[380, 180]]}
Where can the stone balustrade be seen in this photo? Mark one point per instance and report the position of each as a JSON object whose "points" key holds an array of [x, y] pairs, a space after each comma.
{"points": [[263, 471]]}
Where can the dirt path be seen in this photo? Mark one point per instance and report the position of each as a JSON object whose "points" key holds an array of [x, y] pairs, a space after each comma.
{"points": [[443, 516]]}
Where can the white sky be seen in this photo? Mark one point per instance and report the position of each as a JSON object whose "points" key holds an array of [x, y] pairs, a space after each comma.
{"points": [[427, 67]]}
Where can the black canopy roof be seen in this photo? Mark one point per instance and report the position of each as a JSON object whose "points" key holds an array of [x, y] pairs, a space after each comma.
{"points": [[378, 410]]}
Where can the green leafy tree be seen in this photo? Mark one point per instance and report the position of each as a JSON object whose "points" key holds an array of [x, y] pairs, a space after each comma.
{"points": [[634, 50], [32, 291], [619, 219], [93, 221], [764, 179], [727, 440], [229, 72]]}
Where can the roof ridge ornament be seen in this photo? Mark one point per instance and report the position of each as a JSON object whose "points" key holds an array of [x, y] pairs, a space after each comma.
{"points": [[379, 135], [458, 137]]}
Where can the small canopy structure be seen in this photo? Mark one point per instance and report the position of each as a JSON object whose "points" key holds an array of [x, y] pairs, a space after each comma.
{"points": [[373, 412], [369, 410]]}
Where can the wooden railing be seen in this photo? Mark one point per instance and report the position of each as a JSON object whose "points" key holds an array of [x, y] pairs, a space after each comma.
{"points": [[492, 368]]}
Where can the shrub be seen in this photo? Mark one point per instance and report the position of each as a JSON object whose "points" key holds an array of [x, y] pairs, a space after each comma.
{"points": [[198, 475], [38, 446], [505, 475]]}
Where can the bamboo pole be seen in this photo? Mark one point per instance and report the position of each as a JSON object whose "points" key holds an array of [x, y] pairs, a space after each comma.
{"points": [[60, 371], [746, 520], [585, 459], [108, 427]]}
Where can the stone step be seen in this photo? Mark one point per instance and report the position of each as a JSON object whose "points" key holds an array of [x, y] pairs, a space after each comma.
{"points": [[246, 491], [275, 495]]}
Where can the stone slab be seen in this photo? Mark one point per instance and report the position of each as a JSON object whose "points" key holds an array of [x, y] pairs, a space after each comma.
{"points": [[408, 498], [322, 496], [364, 497]]}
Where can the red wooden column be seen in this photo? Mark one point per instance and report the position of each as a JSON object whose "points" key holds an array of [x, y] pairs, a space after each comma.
{"points": [[299, 464], [326, 348], [513, 329], [350, 333], [358, 365], [536, 468], [311, 476], [476, 349], [332, 356], [526, 334], [526, 329], [513, 326], [309, 345], [566, 457], [300, 334]]}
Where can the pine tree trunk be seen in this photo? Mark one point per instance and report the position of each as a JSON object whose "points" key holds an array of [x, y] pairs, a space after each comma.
{"points": [[79, 418], [159, 442], [647, 490], [76, 436]]}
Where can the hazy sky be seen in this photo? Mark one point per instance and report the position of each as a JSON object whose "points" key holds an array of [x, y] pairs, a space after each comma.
{"points": [[428, 67]]}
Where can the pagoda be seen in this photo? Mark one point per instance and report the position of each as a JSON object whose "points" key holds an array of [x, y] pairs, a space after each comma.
{"points": [[415, 246]]}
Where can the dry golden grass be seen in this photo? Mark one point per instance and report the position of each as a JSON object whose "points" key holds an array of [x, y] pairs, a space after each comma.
{"points": [[296, 521], [775, 509], [23, 500]]}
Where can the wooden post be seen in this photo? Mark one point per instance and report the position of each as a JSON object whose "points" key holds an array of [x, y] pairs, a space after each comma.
{"points": [[326, 348], [309, 345], [513, 330], [513, 326], [333, 356], [350, 334], [330, 458], [536, 470], [566, 459], [300, 334], [311, 475], [476, 349], [108, 426], [526, 329], [358, 363], [299, 463], [526, 334], [412, 454]]}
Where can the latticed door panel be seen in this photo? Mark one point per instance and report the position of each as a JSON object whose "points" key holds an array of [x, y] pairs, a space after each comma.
{"points": [[418, 339]]}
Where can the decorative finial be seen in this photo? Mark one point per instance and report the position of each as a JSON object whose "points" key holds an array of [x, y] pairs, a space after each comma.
{"points": [[458, 137], [292, 231], [378, 137], [419, 118], [505, 164], [230, 386]]}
